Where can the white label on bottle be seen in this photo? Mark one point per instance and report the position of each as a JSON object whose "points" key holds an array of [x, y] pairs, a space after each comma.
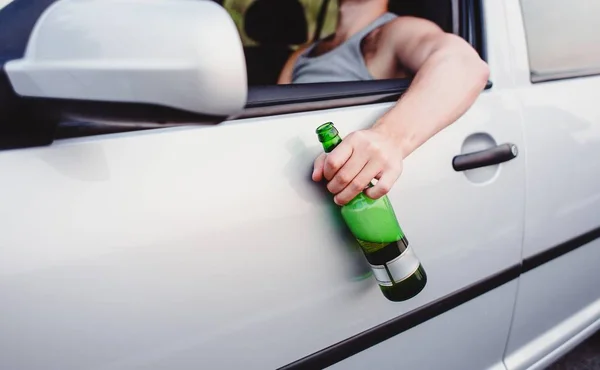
{"points": [[381, 275], [398, 269]]}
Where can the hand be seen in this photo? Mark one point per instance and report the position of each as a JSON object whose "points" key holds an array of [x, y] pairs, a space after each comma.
{"points": [[361, 156]]}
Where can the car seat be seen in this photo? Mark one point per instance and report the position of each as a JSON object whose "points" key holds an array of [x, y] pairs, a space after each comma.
{"points": [[275, 25]]}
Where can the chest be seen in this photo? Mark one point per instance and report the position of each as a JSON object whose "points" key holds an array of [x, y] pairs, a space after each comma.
{"points": [[378, 57]]}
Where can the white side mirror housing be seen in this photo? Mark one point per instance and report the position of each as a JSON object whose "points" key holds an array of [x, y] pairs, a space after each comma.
{"points": [[180, 54]]}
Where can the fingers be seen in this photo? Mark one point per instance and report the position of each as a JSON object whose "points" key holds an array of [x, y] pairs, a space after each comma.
{"points": [[358, 183], [362, 156], [317, 174], [384, 184], [336, 160], [344, 176]]}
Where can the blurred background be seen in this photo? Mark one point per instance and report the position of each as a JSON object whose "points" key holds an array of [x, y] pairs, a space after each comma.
{"points": [[237, 9]]}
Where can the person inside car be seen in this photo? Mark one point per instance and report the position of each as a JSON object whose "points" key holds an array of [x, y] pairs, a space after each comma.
{"points": [[371, 43]]}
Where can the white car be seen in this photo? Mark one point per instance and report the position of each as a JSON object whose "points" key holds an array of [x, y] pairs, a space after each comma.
{"points": [[157, 210]]}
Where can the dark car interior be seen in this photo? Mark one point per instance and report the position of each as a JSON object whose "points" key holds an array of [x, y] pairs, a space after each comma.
{"points": [[276, 35]]}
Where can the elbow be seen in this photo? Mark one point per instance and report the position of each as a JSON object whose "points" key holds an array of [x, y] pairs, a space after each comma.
{"points": [[465, 62], [475, 72], [476, 69], [481, 73]]}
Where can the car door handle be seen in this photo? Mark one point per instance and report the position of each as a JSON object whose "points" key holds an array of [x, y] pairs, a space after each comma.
{"points": [[488, 157]]}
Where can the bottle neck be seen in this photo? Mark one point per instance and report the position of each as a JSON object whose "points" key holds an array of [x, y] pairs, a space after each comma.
{"points": [[328, 136], [330, 144]]}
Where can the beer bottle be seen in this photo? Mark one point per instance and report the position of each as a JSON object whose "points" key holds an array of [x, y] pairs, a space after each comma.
{"points": [[373, 223]]}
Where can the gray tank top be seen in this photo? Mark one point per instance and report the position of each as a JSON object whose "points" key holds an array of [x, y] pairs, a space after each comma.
{"points": [[344, 63]]}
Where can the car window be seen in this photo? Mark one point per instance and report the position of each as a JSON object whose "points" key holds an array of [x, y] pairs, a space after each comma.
{"points": [[271, 30], [562, 38]]}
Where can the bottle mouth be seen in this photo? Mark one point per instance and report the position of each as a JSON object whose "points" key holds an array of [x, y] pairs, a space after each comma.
{"points": [[326, 131], [324, 127]]}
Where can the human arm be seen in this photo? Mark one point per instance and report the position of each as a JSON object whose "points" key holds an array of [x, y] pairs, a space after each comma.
{"points": [[448, 77]]}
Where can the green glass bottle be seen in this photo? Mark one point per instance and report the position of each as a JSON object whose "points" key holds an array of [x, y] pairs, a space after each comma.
{"points": [[373, 223]]}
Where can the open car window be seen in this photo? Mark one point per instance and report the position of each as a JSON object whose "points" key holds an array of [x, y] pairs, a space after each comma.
{"points": [[271, 30]]}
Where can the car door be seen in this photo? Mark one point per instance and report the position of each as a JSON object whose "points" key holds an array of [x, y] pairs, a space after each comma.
{"points": [[210, 247], [557, 62]]}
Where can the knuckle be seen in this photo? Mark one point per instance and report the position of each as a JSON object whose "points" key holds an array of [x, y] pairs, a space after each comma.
{"points": [[356, 186], [344, 178], [377, 151], [359, 138], [391, 167], [332, 162], [371, 146]]}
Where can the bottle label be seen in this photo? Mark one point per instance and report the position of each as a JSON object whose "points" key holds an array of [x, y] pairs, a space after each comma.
{"points": [[397, 269]]}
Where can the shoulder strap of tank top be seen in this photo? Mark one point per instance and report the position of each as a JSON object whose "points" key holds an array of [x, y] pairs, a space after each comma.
{"points": [[383, 19], [380, 21]]}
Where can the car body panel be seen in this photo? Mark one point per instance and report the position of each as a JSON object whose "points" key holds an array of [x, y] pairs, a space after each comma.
{"points": [[558, 299], [190, 243], [416, 349]]}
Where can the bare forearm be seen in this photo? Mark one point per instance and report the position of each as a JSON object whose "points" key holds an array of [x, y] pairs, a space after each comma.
{"points": [[443, 89]]}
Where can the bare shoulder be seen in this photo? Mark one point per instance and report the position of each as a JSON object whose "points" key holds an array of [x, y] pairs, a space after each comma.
{"points": [[397, 41], [412, 40], [407, 27], [285, 77]]}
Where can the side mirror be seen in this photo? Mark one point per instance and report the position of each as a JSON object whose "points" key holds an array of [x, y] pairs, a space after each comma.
{"points": [[159, 60]]}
